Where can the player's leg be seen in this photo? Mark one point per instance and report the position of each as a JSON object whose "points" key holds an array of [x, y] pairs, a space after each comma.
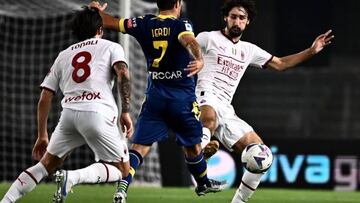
{"points": [[109, 147], [149, 129], [30, 177], [235, 134], [209, 120], [250, 181], [137, 153], [184, 120], [197, 166], [58, 146]]}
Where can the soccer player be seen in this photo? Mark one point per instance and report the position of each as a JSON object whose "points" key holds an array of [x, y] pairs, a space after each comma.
{"points": [[173, 58], [226, 58], [84, 73]]}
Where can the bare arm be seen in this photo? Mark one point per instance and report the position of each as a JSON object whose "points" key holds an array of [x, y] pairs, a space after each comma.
{"points": [[43, 110], [286, 62], [44, 106], [109, 21], [189, 42], [123, 75]]}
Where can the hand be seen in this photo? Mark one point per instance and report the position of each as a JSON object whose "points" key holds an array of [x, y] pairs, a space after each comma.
{"points": [[126, 124], [39, 148], [194, 67], [96, 4], [321, 41]]}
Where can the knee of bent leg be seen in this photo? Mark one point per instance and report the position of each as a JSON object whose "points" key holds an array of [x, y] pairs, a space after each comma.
{"points": [[123, 167], [208, 119], [248, 138]]}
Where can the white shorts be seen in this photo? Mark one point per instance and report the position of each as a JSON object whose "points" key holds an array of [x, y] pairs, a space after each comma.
{"points": [[230, 128], [102, 135]]}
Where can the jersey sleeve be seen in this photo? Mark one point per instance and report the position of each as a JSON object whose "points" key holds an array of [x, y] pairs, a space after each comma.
{"points": [[117, 54], [202, 38], [185, 27], [131, 26], [260, 57], [51, 80]]}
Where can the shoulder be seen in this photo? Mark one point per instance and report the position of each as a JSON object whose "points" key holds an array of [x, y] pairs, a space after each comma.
{"points": [[184, 20], [114, 45], [208, 36], [147, 17], [203, 34], [248, 44], [184, 25]]}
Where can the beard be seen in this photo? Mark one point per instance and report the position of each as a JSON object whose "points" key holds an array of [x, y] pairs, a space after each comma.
{"points": [[234, 31]]}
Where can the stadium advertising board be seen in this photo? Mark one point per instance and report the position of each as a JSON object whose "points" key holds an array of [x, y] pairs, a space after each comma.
{"points": [[301, 163]]}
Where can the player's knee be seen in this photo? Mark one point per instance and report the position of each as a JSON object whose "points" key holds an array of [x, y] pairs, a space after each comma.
{"points": [[248, 138], [192, 152], [210, 123]]}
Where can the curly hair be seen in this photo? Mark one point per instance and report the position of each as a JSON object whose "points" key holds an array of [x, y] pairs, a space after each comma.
{"points": [[248, 5]]}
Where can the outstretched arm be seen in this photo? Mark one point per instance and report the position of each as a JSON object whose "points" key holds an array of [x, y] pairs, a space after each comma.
{"points": [[123, 76], [109, 21], [189, 42], [283, 63]]}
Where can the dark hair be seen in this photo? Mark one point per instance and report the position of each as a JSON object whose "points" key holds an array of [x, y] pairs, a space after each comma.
{"points": [[166, 4], [86, 22], [248, 5]]}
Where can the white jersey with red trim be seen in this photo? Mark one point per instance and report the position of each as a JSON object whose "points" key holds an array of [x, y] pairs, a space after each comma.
{"points": [[84, 74], [225, 62]]}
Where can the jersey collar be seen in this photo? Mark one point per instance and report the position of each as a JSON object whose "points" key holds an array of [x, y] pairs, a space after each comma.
{"points": [[166, 16], [223, 32]]}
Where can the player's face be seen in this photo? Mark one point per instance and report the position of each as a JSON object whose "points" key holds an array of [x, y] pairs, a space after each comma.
{"points": [[100, 32], [236, 21]]}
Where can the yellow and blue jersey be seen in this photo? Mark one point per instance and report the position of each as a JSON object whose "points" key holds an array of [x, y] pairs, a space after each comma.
{"points": [[166, 58], [170, 101]]}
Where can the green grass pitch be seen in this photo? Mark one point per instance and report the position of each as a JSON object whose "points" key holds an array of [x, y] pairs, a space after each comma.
{"points": [[103, 193]]}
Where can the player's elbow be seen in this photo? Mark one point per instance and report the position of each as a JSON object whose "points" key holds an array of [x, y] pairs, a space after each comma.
{"points": [[278, 65]]}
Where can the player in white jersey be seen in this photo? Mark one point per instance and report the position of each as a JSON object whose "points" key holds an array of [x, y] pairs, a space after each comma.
{"points": [[84, 73], [226, 59]]}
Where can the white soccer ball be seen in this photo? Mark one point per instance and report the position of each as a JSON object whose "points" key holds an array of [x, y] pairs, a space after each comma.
{"points": [[256, 158]]}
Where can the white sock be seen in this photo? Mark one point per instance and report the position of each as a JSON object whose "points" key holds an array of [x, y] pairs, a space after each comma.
{"points": [[25, 183], [95, 173], [206, 137], [248, 185]]}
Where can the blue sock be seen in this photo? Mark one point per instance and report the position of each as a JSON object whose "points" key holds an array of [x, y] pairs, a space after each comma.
{"points": [[198, 168], [135, 161]]}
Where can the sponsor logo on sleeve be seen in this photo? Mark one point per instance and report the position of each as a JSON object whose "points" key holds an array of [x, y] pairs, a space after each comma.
{"points": [[129, 24], [188, 27]]}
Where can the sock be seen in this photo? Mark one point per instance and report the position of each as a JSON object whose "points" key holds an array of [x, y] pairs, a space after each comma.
{"points": [[25, 183], [198, 168], [248, 185], [95, 173], [135, 161], [206, 137]]}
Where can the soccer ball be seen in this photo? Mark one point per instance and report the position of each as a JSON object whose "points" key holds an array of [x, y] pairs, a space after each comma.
{"points": [[256, 158]]}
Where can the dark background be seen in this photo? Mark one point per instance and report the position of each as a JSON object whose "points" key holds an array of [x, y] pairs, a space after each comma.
{"points": [[318, 101], [319, 98]]}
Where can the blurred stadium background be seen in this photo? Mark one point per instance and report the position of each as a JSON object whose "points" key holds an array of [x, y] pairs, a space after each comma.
{"points": [[309, 116]]}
